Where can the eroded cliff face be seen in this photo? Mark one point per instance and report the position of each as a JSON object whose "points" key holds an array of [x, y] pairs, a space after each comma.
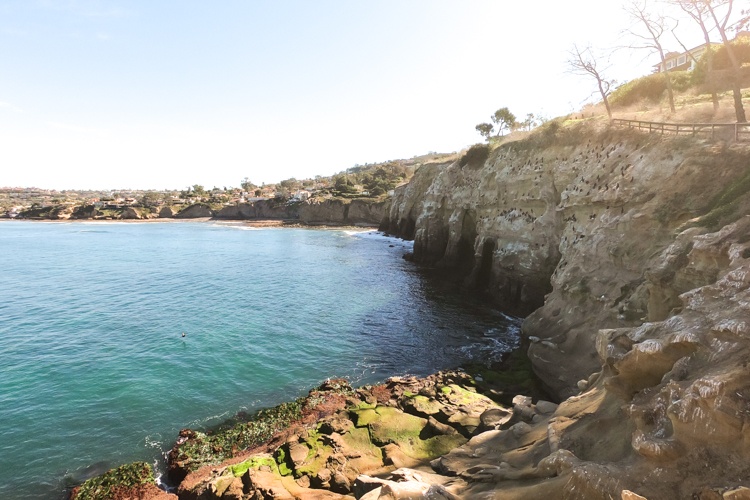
{"points": [[667, 414], [312, 212], [571, 224]]}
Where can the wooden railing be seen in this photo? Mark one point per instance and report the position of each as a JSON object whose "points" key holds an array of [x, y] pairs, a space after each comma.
{"points": [[727, 131]]}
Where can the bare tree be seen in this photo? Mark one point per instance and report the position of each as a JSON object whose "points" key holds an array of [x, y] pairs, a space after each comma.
{"points": [[696, 9], [721, 20], [655, 25], [583, 62], [744, 21]]}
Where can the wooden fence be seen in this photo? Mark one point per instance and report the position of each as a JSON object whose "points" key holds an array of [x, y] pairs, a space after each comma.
{"points": [[727, 131]]}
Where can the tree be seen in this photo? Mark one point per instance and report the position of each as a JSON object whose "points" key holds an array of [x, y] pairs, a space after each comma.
{"points": [[696, 9], [529, 122], [485, 130], [150, 199], [721, 21], [655, 26], [504, 119], [344, 185], [247, 185], [583, 62], [744, 21], [290, 184]]}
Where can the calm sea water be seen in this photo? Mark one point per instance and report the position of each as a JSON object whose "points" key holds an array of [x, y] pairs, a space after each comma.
{"points": [[94, 371]]}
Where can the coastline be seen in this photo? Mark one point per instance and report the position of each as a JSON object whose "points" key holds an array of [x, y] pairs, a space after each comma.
{"points": [[259, 223], [328, 211], [443, 410]]}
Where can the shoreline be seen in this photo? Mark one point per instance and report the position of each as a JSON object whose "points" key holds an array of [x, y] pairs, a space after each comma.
{"points": [[397, 398], [258, 223]]}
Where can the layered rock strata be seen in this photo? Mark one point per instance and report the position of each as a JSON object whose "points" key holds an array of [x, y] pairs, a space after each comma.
{"points": [[570, 226], [335, 212]]}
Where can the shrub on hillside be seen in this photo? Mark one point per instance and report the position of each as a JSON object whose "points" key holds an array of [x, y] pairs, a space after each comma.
{"points": [[649, 88], [741, 50], [475, 156]]}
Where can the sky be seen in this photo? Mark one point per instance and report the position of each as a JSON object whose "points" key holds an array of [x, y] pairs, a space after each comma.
{"points": [[149, 94]]}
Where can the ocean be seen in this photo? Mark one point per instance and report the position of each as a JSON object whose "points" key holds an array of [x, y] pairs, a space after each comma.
{"points": [[95, 372]]}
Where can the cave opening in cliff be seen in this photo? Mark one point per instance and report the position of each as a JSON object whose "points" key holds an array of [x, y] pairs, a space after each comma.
{"points": [[485, 265], [464, 256]]}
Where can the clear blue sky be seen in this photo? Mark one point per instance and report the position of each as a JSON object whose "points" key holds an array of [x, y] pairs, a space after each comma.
{"points": [[164, 94]]}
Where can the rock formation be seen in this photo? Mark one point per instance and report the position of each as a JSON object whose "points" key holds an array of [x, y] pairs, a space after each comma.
{"points": [[310, 212], [636, 250], [313, 212], [569, 225], [632, 255], [340, 435]]}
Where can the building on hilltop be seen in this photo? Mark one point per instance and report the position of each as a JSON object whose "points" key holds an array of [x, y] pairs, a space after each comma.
{"points": [[682, 61], [686, 61]]}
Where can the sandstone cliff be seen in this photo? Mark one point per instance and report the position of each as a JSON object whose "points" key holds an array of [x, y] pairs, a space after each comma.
{"points": [[570, 225], [633, 252], [312, 212]]}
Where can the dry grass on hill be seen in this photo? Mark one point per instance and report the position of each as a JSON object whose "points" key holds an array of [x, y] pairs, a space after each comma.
{"points": [[690, 108]]}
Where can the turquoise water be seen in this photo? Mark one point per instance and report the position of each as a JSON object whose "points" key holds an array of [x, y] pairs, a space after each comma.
{"points": [[94, 371]]}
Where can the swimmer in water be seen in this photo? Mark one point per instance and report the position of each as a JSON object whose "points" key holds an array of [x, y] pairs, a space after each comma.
{"points": [[183, 334]]}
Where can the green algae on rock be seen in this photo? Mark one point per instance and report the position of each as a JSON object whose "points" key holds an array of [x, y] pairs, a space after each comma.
{"points": [[372, 430], [134, 480]]}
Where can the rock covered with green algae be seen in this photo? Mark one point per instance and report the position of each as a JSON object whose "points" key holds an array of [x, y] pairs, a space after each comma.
{"points": [[405, 422], [130, 481], [195, 449]]}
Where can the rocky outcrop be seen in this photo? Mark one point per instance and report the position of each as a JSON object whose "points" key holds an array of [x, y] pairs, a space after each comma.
{"points": [[263, 209], [196, 211], [334, 212], [312, 212], [133, 481], [665, 417], [372, 431], [130, 213], [571, 225], [166, 212]]}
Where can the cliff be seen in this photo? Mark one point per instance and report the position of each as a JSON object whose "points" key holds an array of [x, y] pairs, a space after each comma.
{"points": [[631, 254], [336, 212], [570, 226], [312, 212]]}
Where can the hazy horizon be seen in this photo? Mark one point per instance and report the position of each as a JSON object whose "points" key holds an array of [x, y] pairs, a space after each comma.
{"points": [[141, 95]]}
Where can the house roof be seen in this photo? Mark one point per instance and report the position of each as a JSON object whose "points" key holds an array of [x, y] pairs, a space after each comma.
{"points": [[674, 55]]}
